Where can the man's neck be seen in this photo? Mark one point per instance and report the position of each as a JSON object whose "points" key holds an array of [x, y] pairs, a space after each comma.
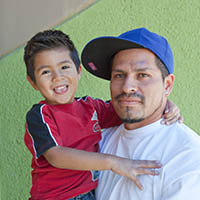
{"points": [[157, 115], [143, 123]]}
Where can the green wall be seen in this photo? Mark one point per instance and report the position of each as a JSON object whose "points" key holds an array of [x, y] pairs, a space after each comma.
{"points": [[177, 20]]}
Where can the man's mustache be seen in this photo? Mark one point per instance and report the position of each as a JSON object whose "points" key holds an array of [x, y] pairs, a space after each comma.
{"points": [[141, 97]]}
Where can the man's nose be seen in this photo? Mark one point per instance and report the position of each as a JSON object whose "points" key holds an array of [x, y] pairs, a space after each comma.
{"points": [[130, 85]]}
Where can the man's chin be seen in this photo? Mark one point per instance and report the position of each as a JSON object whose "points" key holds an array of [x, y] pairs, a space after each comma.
{"points": [[131, 121]]}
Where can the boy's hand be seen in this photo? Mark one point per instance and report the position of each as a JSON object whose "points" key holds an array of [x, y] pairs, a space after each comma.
{"points": [[133, 168], [171, 114]]}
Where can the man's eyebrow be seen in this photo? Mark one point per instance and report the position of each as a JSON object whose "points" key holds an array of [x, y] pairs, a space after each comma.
{"points": [[117, 70], [143, 69], [138, 69]]}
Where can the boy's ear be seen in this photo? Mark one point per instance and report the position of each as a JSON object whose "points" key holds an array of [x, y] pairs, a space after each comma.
{"points": [[80, 72], [32, 83]]}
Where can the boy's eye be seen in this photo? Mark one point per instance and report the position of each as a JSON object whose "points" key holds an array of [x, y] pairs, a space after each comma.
{"points": [[65, 67], [45, 72]]}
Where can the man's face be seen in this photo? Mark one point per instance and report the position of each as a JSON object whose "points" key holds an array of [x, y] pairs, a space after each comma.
{"points": [[56, 76], [137, 89]]}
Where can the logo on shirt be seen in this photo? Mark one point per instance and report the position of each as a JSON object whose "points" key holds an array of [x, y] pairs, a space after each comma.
{"points": [[95, 175], [96, 127]]}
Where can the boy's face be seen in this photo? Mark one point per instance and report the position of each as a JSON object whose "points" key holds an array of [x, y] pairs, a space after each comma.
{"points": [[56, 76]]}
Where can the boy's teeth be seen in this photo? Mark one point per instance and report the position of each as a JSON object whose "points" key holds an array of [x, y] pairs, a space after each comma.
{"points": [[60, 89]]}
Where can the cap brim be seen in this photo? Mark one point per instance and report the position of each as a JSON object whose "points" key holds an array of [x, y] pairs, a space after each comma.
{"points": [[97, 54]]}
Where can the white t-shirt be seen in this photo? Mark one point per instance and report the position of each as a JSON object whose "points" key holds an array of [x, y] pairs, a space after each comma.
{"points": [[176, 146]]}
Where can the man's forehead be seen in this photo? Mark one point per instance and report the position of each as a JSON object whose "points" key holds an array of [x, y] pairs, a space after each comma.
{"points": [[135, 51], [139, 67], [139, 59]]}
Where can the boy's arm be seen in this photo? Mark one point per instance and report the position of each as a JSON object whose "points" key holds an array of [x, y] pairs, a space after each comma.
{"points": [[108, 117], [43, 140], [171, 114], [68, 158]]}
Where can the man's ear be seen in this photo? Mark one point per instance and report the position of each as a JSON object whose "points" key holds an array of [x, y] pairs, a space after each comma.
{"points": [[169, 82], [79, 72], [32, 83]]}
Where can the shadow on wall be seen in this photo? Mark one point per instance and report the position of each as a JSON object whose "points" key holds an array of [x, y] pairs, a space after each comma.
{"points": [[20, 21]]}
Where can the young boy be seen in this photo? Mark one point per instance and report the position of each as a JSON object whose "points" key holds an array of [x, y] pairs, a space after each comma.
{"points": [[62, 132]]}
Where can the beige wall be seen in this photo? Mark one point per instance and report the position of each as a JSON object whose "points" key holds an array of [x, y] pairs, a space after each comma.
{"points": [[20, 19]]}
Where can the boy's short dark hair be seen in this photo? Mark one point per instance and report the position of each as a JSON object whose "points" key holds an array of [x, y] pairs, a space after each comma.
{"points": [[48, 40]]}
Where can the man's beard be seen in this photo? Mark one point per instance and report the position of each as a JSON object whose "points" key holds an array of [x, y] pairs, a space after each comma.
{"points": [[128, 119], [131, 121]]}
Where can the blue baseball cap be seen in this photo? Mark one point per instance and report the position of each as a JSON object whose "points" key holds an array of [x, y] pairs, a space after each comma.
{"points": [[97, 54]]}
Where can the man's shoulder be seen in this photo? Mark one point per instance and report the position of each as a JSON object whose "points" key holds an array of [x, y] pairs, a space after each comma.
{"points": [[180, 152], [184, 133], [177, 139], [179, 143]]}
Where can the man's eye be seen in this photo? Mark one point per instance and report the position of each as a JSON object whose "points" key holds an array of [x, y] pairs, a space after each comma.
{"points": [[118, 76], [142, 75]]}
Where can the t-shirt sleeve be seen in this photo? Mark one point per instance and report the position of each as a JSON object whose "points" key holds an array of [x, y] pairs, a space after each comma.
{"points": [[41, 130], [182, 176], [186, 187], [106, 114]]}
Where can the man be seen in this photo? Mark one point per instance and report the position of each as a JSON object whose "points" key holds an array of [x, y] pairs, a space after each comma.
{"points": [[139, 65]]}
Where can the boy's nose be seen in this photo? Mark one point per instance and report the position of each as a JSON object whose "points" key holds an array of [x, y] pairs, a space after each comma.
{"points": [[57, 75]]}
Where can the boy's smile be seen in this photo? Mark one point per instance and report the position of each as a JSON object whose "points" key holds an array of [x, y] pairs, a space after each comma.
{"points": [[56, 76]]}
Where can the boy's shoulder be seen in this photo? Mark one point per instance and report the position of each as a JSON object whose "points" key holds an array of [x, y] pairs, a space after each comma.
{"points": [[79, 103], [84, 98], [36, 109], [89, 99], [37, 106], [43, 107]]}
